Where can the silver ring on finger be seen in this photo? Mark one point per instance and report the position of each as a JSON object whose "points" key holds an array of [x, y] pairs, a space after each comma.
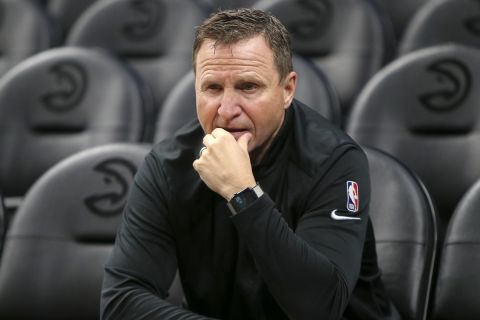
{"points": [[201, 150]]}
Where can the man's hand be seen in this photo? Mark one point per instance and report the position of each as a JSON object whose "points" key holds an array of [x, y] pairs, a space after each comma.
{"points": [[224, 165]]}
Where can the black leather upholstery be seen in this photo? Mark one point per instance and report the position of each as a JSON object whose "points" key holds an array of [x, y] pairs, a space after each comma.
{"points": [[458, 281], [59, 102], [404, 221], [316, 90], [400, 13], [65, 13], [313, 88], [55, 248], [443, 21], [345, 38], [154, 36], [178, 109], [423, 109], [24, 31], [2, 225]]}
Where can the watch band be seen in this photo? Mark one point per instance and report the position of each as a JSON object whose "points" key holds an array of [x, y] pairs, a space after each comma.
{"points": [[244, 198]]}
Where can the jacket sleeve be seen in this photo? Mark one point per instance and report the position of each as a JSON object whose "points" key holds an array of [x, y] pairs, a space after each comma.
{"points": [[136, 281], [312, 269]]}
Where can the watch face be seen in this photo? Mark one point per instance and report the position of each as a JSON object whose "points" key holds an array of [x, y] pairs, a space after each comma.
{"points": [[243, 199], [239, 201]]}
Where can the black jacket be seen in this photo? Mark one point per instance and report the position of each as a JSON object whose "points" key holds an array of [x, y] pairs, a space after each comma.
{"points": [[284, 257]]}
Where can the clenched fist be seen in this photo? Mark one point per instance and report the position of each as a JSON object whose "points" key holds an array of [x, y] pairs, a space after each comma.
{"points": [[224, 165]]}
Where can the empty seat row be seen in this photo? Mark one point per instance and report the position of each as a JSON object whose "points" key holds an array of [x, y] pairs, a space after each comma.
{"points": [[349, 40], [154, 37], [52, 263], [346, 38], [62, 101], [442, 21], [423, 109]]}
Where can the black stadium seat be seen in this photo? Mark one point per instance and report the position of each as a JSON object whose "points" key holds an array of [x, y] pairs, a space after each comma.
{"points": [[316, 90], [24, 31], [64, 13], [2, 224], [423, 109], [404, 220], [458, 281], [347, 39], [154, 36], [59, 102], [313, 88], [400, 13], [62, 234], [443, 21]]}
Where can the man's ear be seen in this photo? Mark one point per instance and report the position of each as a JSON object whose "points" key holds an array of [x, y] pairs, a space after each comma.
{"points": [[289, 86]]}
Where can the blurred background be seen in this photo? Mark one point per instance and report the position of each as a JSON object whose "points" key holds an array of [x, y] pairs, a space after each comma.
{"points": [[88, 86]]}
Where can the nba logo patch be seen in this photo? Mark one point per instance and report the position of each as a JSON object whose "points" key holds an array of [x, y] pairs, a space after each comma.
{"points": [[352, 196]]}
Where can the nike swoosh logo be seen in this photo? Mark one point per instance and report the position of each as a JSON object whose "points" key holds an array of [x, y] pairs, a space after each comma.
{"points": [[335, 216]]}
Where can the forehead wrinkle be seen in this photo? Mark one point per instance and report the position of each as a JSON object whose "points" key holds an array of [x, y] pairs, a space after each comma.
{"points": [[222, 64], [238, 72], [238, 65]]}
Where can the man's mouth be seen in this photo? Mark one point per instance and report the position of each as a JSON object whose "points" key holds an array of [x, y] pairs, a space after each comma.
{"points": [[236, 132]]}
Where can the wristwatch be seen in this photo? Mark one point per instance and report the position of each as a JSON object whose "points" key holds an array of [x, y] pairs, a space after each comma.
{"points": [[244, 198]]}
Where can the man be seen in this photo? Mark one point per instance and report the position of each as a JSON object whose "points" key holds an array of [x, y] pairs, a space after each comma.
{"points": [[270, 220]]}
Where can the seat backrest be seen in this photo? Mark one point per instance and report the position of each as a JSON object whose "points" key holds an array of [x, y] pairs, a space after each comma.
{"points": [[443, 21], [345, 38], [400, 13], [313, 89], [154, 36], [61, 101], [24, 31], [404, 221], [61, 235], [65, 13], [423, 109], [458, 280], [2, 224]]}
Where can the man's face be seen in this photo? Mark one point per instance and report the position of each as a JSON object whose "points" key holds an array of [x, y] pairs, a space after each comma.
{"points": [[238, 88]]}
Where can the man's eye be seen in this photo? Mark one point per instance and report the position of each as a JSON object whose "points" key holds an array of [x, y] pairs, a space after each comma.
{"points": [[213, 88], [249, 86]]}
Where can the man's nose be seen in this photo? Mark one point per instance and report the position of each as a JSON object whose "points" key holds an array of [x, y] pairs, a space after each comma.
{"points": [[229, 105]]}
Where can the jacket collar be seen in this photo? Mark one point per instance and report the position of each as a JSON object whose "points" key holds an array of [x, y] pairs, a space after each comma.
{"points": [[278, 146]]}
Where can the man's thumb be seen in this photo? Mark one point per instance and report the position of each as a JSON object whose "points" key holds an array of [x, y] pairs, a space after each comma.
{"points": [[244, 140]]}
